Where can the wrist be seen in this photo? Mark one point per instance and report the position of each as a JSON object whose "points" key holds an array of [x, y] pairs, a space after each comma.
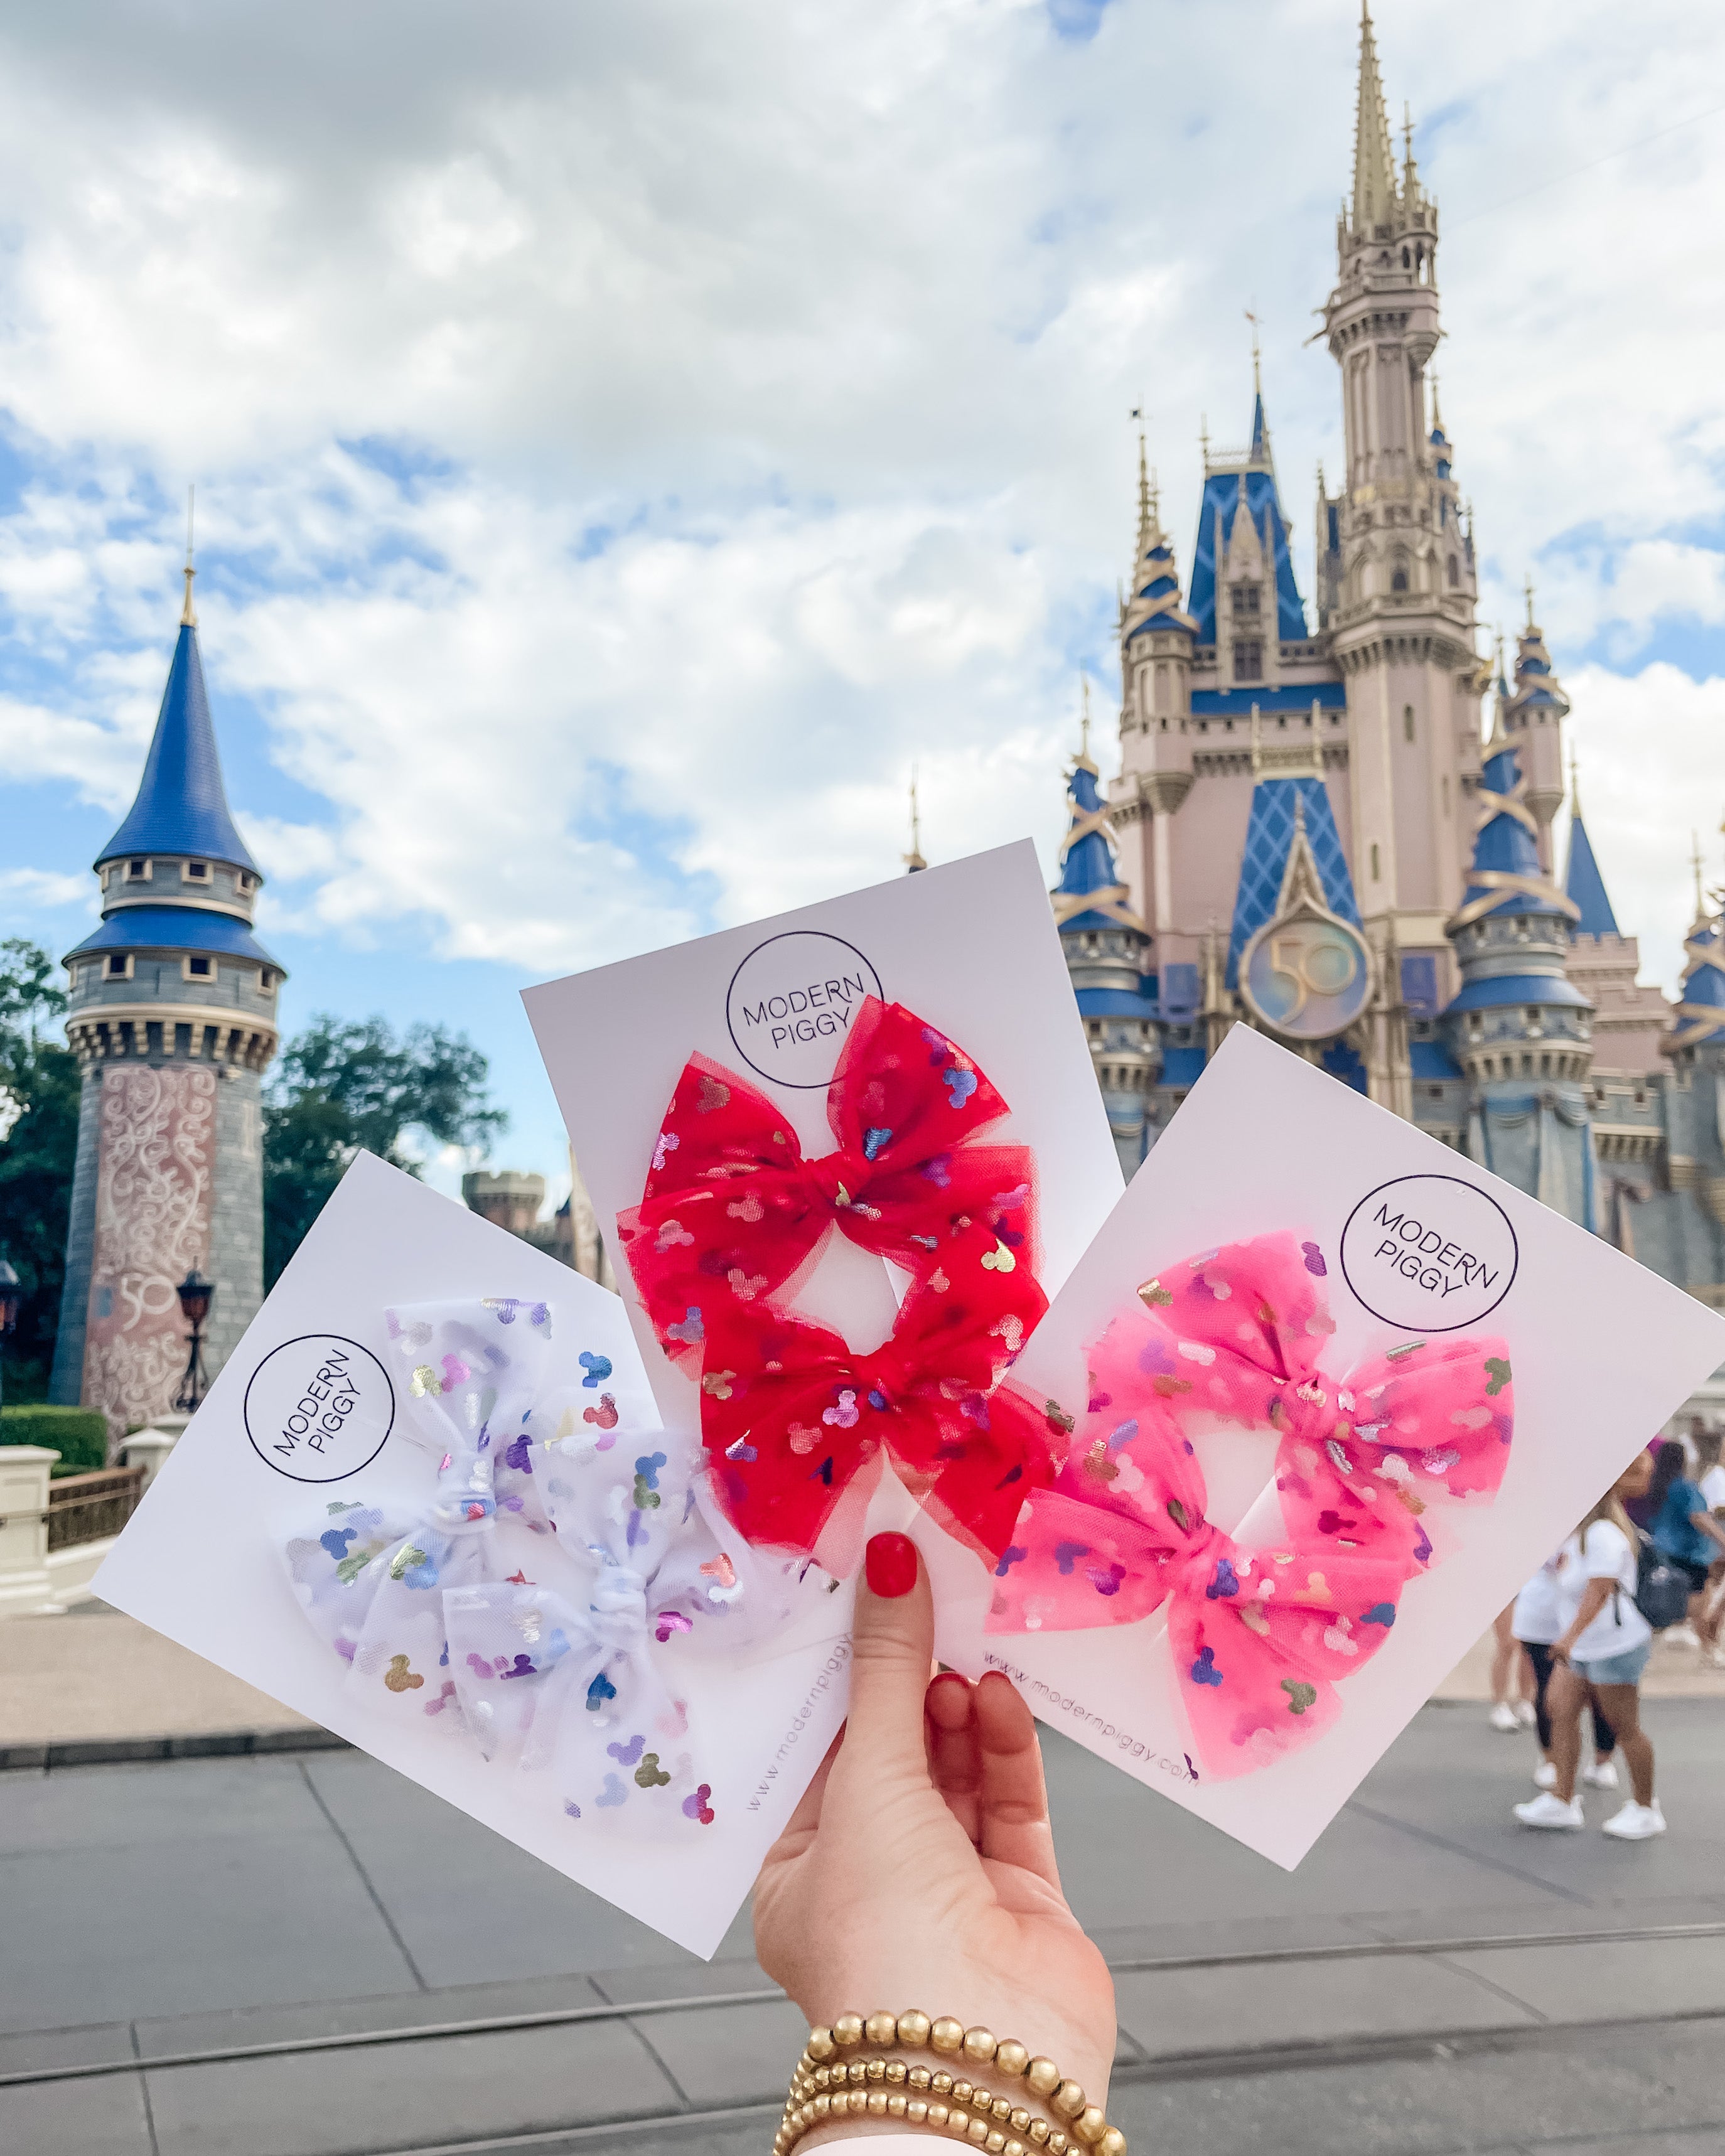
{"points": [[898, 2073]]}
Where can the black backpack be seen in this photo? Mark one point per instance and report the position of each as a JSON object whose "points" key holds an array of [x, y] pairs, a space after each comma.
{"points": [[1662, 1588]]}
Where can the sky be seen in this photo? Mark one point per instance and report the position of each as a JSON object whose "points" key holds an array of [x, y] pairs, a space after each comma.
{"points": [[631, 436]]}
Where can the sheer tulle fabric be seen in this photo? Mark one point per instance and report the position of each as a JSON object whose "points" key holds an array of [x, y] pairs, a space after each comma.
{"points": [[1369, 1467]]}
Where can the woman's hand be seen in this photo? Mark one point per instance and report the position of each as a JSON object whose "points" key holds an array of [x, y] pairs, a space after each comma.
{"points": [[919, 1869]]}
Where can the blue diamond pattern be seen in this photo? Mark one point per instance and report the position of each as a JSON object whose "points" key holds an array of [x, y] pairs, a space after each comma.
{"points": [[1269, 835]]}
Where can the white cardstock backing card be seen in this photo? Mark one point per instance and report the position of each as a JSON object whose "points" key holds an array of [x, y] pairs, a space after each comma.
{"points": [[1603, 1352], [308, 1412], [972, 948]]}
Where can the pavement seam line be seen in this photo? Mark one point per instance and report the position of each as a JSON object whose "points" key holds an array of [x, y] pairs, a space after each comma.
{"points": [[1472, 1856], [131, 2028], [376, 1899], [1485, 1983], [659, 2060]]}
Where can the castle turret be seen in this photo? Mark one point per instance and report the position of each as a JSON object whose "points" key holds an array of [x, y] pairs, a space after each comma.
{"points": [[1156, 635], [1520, 1029], [1395, 571], [172, 1014], [1534, 724], [1107, 949]]}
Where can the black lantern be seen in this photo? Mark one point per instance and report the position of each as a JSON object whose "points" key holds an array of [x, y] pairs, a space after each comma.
{"points": [[196, 1294], [12, 1295]]}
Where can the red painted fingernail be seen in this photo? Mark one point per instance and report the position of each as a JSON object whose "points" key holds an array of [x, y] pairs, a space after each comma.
{"points": [[891, 1561]]}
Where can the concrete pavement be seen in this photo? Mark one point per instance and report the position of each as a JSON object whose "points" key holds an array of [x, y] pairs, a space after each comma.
{"points": [[1430, 1979]]}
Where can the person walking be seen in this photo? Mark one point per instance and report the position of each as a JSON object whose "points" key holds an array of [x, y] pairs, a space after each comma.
{"points": [[1599, 1655], [1709, 1481], [1536, 1621], [1684, 1530], [1512, 1706]]}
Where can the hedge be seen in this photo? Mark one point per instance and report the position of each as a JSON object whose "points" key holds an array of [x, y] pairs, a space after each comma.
{"points": [[78, 1435]]}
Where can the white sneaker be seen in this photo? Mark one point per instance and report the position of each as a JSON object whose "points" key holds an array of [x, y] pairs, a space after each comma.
{"points": [[1681, 1635], [1545, 1775], [1503, 1715], [1635, 1822], [1525, 1715], [1600, 1774], [1549, 1809]]}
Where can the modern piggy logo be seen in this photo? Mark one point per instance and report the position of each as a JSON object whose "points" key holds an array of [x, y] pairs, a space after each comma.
{"points": [[791, 1003], [319, 1408], [1428, 1253]]}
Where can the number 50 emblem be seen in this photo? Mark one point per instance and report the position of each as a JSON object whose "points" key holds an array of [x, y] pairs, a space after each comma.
{"points": [[1307, 976]]}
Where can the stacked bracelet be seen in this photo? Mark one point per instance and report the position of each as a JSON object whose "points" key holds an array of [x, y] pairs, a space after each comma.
{"points": [[826, 2086]]}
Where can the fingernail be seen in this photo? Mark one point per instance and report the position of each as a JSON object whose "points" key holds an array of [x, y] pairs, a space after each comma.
{"points": [[891, 1563]]}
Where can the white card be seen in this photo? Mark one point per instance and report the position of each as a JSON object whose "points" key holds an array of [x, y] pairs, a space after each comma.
{"points": [[1602, 1352], [971, 947], [203, 1558]]}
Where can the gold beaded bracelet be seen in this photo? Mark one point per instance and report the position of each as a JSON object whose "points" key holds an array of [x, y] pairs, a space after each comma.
{"points": [[825, 2087]]}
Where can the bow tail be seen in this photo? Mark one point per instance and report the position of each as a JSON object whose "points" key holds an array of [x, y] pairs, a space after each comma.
{"points": [[401, 1660], [788, 1456], [621, 1751], [1256, 1671], [520, 1658], [987, 1457], [1071, 1566], [334, 1569]]}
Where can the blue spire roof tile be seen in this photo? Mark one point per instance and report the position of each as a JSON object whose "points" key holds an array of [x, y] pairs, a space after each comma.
{"points": [[1270, 838], [1584, 882], [181, 806]]}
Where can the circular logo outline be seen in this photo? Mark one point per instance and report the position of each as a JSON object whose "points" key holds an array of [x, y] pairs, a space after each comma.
{"points": [[280, 1347], [1422, 1175], [1280, 926], [793, 1085]]}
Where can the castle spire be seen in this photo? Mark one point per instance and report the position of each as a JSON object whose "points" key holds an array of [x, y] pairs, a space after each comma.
{"points": [[188, 616], [914, 861], [1375, 189], [1583, 882], [181, 805]]}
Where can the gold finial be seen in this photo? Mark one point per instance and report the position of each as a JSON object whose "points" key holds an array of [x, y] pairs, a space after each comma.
{"points": [[913, 860], [1437, 415], [1528, 585], [1701, 904], [1574, 786], [1203, 439], [1084, 722], [188, 614], [1257, 374]]}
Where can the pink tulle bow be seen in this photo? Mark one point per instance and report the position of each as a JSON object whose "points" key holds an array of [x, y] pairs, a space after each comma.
{"points": [[1366, 1467]]}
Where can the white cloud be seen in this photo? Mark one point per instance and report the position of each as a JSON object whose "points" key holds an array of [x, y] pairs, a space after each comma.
{"points": [[628, 439], [47, 887]]}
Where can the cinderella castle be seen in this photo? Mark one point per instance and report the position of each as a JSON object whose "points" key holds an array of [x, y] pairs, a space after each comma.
{"points": [[1340, 831]]}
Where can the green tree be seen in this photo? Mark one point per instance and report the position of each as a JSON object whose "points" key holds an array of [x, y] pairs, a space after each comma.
{"points": [[342, 1086], [39, 1148]]}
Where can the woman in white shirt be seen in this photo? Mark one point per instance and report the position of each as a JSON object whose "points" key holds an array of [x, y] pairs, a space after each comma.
{"points": [[1599, 1655], [1536, 1620]]}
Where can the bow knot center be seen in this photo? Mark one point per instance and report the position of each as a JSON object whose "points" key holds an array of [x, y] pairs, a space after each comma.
{"points": [[619, 1606], [1207, 1567], [841, 1177]]}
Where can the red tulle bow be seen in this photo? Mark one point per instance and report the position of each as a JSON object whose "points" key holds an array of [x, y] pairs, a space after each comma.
{"points": [[732, 1211], [798, 1426]]}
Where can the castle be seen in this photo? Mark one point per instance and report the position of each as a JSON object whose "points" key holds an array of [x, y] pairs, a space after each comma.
{"points": [[171, 1014], [1312, 833]]}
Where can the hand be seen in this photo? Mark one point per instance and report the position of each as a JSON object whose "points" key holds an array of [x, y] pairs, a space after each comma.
{"points": [[918, 1870]]}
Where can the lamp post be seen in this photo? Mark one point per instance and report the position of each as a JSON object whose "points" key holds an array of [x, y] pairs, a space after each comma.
{"points": [[195, 1295], [12, 1295]]}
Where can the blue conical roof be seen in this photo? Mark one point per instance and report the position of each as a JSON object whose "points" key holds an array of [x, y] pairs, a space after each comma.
{"points": [[1585, 885], [1089, 893], [1260, 432], [180, 806], [1505, 844]]}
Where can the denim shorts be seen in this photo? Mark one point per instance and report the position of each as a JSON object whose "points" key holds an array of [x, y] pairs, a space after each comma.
{"points": [[1618, 1669]]}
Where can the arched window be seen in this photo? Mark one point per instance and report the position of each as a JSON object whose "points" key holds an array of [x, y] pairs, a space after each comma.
{"points": [[1408, 722], [1455, 570], [1376, 876], [1399, 581]]}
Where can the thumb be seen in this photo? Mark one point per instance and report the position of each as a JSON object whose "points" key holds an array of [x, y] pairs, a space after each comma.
{"points": [[891, 1654]]}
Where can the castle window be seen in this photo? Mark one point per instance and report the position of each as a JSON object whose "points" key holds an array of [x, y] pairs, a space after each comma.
{"points": [[1455, 573], [118, 965], [1399, 581], [246, 881], [1248, 659], [137, 872], [1408, 722], [195, 871], [200, 969], [1245, 599], [1376, 873]]}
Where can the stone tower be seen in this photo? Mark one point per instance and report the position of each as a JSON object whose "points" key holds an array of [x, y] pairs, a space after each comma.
{"points": [[172, 1018]]}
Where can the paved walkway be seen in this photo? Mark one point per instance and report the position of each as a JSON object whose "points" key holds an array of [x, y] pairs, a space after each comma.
{"points": [[1432, 1980]]}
